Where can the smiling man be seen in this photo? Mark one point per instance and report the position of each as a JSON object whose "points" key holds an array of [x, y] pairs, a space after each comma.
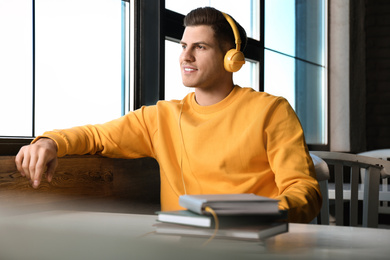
{"points": [[220, 139], [202, 65]]}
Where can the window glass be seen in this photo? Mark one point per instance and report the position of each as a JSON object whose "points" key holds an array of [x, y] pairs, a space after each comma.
{"points": [[279, 75], [16, 68], [248, 75], [295, 63], [311, 31], [78, 62], [279, 26], [76, 76], [311, 101]]}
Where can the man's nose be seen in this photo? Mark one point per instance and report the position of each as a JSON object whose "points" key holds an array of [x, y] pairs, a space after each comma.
{"points": [[187, 55]]}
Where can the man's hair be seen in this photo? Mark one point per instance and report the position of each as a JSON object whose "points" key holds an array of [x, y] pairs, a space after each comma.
{"points": [[223, 32]]}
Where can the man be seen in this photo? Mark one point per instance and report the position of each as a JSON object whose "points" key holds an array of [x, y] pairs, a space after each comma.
{"points": [[220, 139]]}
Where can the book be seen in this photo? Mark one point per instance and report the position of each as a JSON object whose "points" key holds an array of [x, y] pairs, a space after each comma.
{"points": [[230, 204], [251, 232], [187, 217]]}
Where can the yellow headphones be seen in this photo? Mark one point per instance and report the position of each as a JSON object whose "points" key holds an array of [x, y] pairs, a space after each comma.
{"points": [[234, 58]]}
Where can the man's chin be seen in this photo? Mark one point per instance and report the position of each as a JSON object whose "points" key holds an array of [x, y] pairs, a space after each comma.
{"points": [[188, 85]]}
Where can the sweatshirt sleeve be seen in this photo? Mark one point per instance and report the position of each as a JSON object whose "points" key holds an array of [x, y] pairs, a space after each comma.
{"points": [[292, 165], [126, 137]]}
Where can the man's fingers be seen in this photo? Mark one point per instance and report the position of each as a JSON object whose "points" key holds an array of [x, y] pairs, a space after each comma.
{"points": [[38, 170], [19, 161], [32, 160], [31, 165], [26, 166], [51, 167]]}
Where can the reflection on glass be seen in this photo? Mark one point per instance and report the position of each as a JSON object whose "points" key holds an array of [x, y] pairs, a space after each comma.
{"points": [[296, 29], [246, 12], [310, 31], [78, 62], [174, 88], [312, 106], [16, 68]]}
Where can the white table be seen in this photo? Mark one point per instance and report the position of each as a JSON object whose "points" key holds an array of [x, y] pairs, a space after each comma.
{"points": [[92, 235]]}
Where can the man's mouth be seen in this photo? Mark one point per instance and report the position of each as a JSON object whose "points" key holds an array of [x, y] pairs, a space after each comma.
{"points": [[189, 69]]}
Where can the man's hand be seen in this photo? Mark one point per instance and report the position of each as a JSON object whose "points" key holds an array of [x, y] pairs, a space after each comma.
{"points": [[32, 160]]}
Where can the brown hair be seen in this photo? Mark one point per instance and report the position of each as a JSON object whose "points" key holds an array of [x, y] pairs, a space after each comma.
{"points": [[222, 29]]}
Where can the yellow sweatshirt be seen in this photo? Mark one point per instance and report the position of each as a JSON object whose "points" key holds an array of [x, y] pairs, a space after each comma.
{"points": [[250, 142]]}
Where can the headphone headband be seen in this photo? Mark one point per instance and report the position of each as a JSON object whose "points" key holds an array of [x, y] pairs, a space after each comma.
{"points": [[235, 31], [234, 58]]}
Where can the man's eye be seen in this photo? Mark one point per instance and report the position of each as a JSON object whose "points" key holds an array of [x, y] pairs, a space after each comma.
{"points": [[200, 47], [183, 47]]}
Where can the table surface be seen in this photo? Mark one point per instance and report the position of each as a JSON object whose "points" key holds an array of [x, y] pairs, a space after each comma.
{"points": [[94, 235]]}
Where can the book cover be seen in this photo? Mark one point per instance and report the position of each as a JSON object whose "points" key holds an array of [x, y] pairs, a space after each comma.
{"points": [[255, 232], [186, 217], [230, 204]]}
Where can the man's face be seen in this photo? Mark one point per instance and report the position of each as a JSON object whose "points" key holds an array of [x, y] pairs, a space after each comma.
{"points": [[201, 60]]}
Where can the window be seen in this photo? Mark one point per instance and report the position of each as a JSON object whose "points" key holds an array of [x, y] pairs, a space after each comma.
{"points": [[64, 63], [16, 67], [80, 52], [295, 61]]}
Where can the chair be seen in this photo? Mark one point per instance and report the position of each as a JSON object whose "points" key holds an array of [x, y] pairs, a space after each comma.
{"points": [[322, 173], [369, 192], [384, 189]]}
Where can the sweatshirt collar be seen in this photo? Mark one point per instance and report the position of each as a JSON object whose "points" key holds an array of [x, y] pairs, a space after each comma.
{"points": [[216, 107]]}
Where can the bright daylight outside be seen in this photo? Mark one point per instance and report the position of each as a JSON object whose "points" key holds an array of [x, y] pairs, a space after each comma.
{"points": [[76, 59]]}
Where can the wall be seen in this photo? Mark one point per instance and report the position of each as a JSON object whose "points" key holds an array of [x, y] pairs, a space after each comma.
{"points": [[359, 75], [339, 57], [377, 30]]}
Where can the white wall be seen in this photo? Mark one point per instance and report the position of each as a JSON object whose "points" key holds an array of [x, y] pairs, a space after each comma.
{"points": [[339, 75]]}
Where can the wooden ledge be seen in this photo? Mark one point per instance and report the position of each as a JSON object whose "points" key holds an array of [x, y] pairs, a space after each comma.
{"points": [[121, 185]]}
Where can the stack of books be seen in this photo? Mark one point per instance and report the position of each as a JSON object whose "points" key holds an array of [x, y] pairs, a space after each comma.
{"points": [[240, 216]]}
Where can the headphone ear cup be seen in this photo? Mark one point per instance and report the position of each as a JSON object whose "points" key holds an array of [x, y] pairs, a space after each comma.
{"points": [[234, 60]]}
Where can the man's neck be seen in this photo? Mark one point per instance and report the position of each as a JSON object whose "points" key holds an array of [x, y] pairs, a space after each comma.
{"points": [[208, 97]]}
